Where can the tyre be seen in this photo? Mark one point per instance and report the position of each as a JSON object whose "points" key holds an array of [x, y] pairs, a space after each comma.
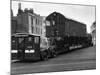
{"points": [[53, 54], [44, 56]]}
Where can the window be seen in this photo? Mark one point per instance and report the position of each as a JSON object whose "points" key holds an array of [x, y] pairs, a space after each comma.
{"points": [[31, 20], [47, 23], [36, 21], [30, 39], [32, 29], [53, 22], [36, 30], [21, 40], [36, 40]]}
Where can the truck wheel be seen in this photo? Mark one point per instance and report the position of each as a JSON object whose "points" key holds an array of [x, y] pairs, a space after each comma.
{"points": [[44, 56], [53, 54]]}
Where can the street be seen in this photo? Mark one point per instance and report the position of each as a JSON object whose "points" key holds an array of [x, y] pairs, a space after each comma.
{"points": [[81, 59]]}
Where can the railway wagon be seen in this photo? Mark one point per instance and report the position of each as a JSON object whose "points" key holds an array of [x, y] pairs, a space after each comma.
{"points": [[66, 34], [27, 47]]}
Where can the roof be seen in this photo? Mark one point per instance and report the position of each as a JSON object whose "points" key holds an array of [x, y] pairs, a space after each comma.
{"points": [[51, 16]]}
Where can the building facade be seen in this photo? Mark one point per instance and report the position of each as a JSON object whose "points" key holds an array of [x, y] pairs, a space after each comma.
{"points": [[93, 33], [13, 23], [27, 21]]}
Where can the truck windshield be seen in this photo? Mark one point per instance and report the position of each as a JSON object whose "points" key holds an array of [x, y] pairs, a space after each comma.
{"points": [[21, 43]]}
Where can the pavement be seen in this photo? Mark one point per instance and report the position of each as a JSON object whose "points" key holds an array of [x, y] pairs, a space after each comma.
{"points": [[81, 59]]}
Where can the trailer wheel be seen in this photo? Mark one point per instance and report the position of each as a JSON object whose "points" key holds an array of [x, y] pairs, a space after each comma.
{"points": [[44, 56]]}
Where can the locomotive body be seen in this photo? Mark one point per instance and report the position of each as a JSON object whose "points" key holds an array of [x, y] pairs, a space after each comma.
{"points": [[66, 34]]}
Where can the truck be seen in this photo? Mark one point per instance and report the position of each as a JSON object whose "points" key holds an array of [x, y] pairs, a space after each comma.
{"points": [[26, 46]]}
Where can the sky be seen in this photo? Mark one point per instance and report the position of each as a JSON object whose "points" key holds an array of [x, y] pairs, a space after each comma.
{"points": [[81, 13]]}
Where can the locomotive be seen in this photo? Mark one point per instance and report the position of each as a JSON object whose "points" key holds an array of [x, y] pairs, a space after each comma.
{"points": [[66, 34]]}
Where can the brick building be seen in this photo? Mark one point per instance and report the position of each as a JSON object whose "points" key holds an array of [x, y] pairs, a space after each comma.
{"points": [[27, 21]]}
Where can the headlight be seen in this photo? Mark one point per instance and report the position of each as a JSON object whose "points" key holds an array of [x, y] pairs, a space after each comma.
{"points": [[13, 51], [32, 51], [29, 51]]}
